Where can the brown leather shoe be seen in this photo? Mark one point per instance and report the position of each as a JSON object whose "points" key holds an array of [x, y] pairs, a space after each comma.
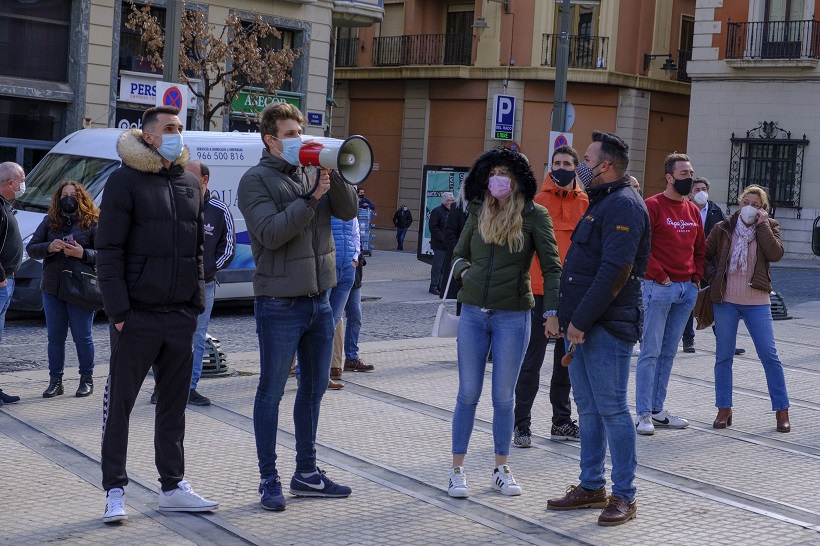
{"points": [[723, 419], [578, 497], [356, 365], [333, 385], [335, 373], [618, 511], [783, 424]]}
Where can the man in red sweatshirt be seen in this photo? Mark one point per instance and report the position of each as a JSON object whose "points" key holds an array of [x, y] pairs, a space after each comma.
{"points": [[669, 289]]}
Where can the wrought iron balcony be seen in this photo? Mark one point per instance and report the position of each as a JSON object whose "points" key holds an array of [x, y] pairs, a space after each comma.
{"points": [[684, 57], [424, 49], [347, 52], [773, 40], [584, 51]]}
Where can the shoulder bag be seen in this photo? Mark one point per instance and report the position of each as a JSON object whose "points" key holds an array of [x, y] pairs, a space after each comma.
{"points": [[446, 324], [79, 286]]}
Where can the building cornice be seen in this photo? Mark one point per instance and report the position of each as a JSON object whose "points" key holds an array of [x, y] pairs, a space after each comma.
{"points": [[527, 73]]}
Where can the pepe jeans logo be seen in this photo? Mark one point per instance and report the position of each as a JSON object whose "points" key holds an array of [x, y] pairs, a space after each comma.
{"points": [[680, 225]]}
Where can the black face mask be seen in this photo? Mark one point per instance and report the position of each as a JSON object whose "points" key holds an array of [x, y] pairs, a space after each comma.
{"points": [[563, 177], [683, 186], [68, 204]]}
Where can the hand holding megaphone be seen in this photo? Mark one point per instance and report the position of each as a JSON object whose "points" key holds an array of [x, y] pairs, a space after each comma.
{"points": [[350, 159]]}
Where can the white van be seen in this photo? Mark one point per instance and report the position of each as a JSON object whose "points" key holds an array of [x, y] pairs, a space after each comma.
{"points": [[89, 156]]}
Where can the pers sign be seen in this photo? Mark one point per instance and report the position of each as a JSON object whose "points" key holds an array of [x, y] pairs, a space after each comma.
{"points": [[503, 117]]}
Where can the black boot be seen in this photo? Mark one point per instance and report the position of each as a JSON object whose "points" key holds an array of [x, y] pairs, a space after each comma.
{"points": [[55, 388], [86, 386]]}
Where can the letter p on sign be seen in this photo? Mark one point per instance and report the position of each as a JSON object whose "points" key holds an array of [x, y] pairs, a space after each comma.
{"points": [[503, 117]]}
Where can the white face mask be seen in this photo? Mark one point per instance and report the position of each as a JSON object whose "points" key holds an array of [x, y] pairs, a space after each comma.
{"points": [[701, 198], [19, 193], [748, 214]]}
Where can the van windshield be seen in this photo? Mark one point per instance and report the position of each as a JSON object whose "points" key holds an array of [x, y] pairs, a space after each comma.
{"points": [[42, 181]]}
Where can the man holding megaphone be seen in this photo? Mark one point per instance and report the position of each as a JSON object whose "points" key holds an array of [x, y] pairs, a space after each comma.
{"points": [[288, 223]]}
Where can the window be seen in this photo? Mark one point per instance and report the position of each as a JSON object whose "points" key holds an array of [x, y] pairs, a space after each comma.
{"points": [[458, 40], [34, 39], [769, 157], [347, 46], [583, 20], [134, 54], [31, 119], [784, 30]]}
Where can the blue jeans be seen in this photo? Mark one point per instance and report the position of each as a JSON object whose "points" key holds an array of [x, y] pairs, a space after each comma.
{"points": [[59, 316], [288, 326], [758, 319], [600, 373], [665, 312], [353, 323], [400, 234], [508, 332], [5, 299], [202, 322], [340, 292]]}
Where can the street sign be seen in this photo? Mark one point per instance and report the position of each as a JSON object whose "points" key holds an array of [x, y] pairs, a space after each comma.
{"points": [[173, 94], [557, 140], [503, 117], [514, 146], [315, 118], [569, 119]]}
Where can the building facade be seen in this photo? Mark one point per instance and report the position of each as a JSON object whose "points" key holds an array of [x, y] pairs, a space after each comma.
{"points": [[421, 85], [70, 64], [754, 117]]}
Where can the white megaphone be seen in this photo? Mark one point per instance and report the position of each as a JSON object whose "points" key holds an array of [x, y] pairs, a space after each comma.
{"points": [[352, 157]]}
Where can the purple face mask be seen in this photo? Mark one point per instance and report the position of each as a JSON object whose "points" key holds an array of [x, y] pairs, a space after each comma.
{"points": [[499, 186]]}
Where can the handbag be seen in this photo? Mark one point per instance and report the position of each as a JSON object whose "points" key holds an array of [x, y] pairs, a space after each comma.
{"points": [[79, 285], [703, 311], [446, 324]]}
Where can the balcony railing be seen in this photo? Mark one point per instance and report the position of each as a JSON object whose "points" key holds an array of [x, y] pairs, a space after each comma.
{"points": [[773, 40], [425, 49], [347, 52], [684, 57], [584, 51]]}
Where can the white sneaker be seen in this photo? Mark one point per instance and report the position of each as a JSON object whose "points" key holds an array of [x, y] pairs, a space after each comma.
{"points": [[665, 419], [504, 481], [458, 483], [645, 425], [185, 499], [115, 506]]}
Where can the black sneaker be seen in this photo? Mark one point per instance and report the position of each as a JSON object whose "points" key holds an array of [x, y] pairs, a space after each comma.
{"points": [[688, 345], [196, 399], [522, 437], [740, 351], [317, 485], [154, 397], [270, 495], [568, 432], [8, 399]]}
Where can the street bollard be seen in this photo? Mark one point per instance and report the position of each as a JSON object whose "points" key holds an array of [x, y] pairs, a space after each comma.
{"points": [[779, 311], [214, 361]]}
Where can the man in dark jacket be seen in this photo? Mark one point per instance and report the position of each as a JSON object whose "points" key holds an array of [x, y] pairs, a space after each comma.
{"points": [[292, 245], [438, 220], [402, 220], [12, 185], [711, 215], [456, 221], [149, 263], [600, 315], [219, 248]]}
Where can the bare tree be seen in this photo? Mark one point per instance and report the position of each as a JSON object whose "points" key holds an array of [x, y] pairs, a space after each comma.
{"points": [[231, 57]]}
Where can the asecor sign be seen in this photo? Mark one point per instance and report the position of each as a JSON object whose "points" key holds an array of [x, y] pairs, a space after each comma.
{"points": [[503, 117]]}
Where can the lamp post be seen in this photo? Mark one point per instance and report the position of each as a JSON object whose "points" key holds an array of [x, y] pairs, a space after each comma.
{"points": [[669, 65], [562, 62], [173, 15]]}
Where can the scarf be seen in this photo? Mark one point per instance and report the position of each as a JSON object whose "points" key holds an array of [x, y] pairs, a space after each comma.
{"points": [[740, 249]]}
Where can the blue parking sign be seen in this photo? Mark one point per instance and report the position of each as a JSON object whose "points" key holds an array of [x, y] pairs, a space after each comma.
{"points": [[503, 117]]}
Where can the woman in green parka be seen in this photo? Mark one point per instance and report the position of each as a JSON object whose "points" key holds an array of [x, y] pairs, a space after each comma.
{"points": [[493, 257]]}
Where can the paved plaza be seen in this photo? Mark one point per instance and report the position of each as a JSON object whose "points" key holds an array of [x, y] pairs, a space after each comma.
{"points": [[387, 435]]}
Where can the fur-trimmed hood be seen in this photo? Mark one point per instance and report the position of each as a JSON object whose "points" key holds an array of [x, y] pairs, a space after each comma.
{"points": [[135, 153], [475, 184]]}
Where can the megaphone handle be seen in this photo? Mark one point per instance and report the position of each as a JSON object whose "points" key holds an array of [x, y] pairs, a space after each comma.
{"points": [[315, 185]]}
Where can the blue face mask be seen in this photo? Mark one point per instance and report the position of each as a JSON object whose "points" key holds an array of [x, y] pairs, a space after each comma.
{"points": [[290, 149], [171, 147]]}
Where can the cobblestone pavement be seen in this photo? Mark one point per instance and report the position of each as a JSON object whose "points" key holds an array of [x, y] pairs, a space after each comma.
{"points": [[387, 435]]}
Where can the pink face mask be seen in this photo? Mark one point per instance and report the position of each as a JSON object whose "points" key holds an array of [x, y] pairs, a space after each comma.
{"points": [[499, 186]]}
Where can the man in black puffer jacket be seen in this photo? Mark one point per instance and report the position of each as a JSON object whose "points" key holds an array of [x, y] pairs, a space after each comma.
{"points": [[149, 263], [600, 314]]}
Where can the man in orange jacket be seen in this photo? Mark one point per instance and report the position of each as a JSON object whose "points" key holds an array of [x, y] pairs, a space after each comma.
{"points": [[566, 203]]}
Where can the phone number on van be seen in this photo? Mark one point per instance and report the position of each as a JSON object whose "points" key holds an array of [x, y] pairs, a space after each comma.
{"points": [[219, 155]]}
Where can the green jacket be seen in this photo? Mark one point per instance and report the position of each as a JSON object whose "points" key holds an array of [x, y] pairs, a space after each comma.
{"points": [[498, 279]]}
